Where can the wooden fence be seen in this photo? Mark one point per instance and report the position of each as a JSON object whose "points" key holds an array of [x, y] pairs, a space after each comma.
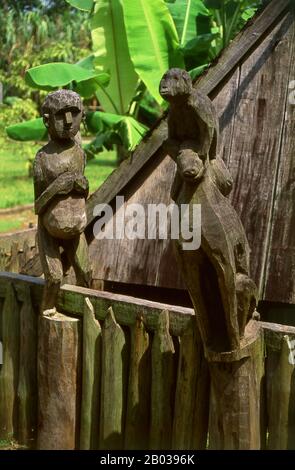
{"points": [[116, 372]]}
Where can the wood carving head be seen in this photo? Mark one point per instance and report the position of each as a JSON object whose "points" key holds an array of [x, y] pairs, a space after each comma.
{"points": [[190, 165], [62, 113], [175, 85]]}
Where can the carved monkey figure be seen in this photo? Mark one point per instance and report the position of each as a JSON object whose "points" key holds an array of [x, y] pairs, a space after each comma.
{"points": [[61, 190], [217, 274]]}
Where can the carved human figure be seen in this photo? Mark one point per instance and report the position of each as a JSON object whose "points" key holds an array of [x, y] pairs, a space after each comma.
{"points": [[61, 190], [217, 274]]}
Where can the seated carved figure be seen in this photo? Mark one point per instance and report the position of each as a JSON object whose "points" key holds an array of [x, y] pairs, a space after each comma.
{"points": [[217, 274], [61, 190]]}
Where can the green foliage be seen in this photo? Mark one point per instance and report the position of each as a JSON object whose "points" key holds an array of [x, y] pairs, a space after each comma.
{"points": [[152, 40], [33, 129], [112, 56], [16, 109], [57, 75], [134, 42], [84, 5], [32, 38]]}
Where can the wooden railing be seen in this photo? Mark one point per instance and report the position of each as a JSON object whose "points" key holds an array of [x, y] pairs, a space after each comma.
{"points": [[117, 372]]}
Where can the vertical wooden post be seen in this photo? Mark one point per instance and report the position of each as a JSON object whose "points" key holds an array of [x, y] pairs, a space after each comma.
{"points": [[27, 384], [58, 382], [280, 366], [114, 382], [10, 369], [190, 426], [163, 385], [91, 373], [139, 389], [235, 406]]}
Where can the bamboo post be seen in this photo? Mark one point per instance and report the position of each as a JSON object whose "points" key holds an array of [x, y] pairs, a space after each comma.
{"points": [[9, 370], [235, 406], [58, 382]]}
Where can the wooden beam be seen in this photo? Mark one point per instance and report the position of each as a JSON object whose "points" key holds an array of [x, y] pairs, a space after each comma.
{"points": [[72, 300]]}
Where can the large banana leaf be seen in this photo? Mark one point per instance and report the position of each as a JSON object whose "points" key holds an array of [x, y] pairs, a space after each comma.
{"points": [[58, 74], [130, 131], [96, 120], [153, 41], [85, 5], [184, 13], [33, 129], [112, 56]]}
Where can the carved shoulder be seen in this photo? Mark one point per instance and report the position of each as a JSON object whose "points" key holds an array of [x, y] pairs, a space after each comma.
{"points": [[204, 107]]}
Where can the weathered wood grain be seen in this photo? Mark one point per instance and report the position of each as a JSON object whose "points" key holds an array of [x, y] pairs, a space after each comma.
{"points": [[163, 385], [58, 382], [128, 169], [91, 379], [9, 371], [141, 261], [279, 282], [235, 402], [280, 365], [114, 382], [71, 299], [190, 424], [139, 389], [256, 141], [27, 384]]}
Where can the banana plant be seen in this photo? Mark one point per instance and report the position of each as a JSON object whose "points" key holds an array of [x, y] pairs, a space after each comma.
{"points": [[134, 43]]}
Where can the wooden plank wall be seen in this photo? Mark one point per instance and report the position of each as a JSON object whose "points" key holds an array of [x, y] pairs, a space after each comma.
{"points": [[143, 382]]}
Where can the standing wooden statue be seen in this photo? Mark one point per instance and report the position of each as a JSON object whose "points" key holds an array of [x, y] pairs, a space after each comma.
{"points": [[216, 275], [61, 190]]}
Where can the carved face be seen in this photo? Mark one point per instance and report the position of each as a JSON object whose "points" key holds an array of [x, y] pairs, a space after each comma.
{"points": [[190, 166], [175, 83], [64, 123]]}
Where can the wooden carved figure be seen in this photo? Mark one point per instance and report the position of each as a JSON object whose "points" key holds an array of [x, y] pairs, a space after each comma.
{"points": [[217, 274], [61, 190]]}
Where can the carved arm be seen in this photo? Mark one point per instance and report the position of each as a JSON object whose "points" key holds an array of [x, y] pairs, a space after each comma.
{"points": [[62, 185]]}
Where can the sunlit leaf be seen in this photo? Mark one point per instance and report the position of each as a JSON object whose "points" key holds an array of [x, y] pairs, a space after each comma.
{"points": [[28, 130], [58, 74], [85, 5], [131, 132], [184, 13], [112, 56], [153, 41]]}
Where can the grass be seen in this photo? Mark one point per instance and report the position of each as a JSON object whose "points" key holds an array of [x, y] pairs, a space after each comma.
{"points": [[16, 188]]}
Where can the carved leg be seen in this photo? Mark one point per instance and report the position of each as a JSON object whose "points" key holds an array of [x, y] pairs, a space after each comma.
{"points": [[49, 251], [77, 251]]}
